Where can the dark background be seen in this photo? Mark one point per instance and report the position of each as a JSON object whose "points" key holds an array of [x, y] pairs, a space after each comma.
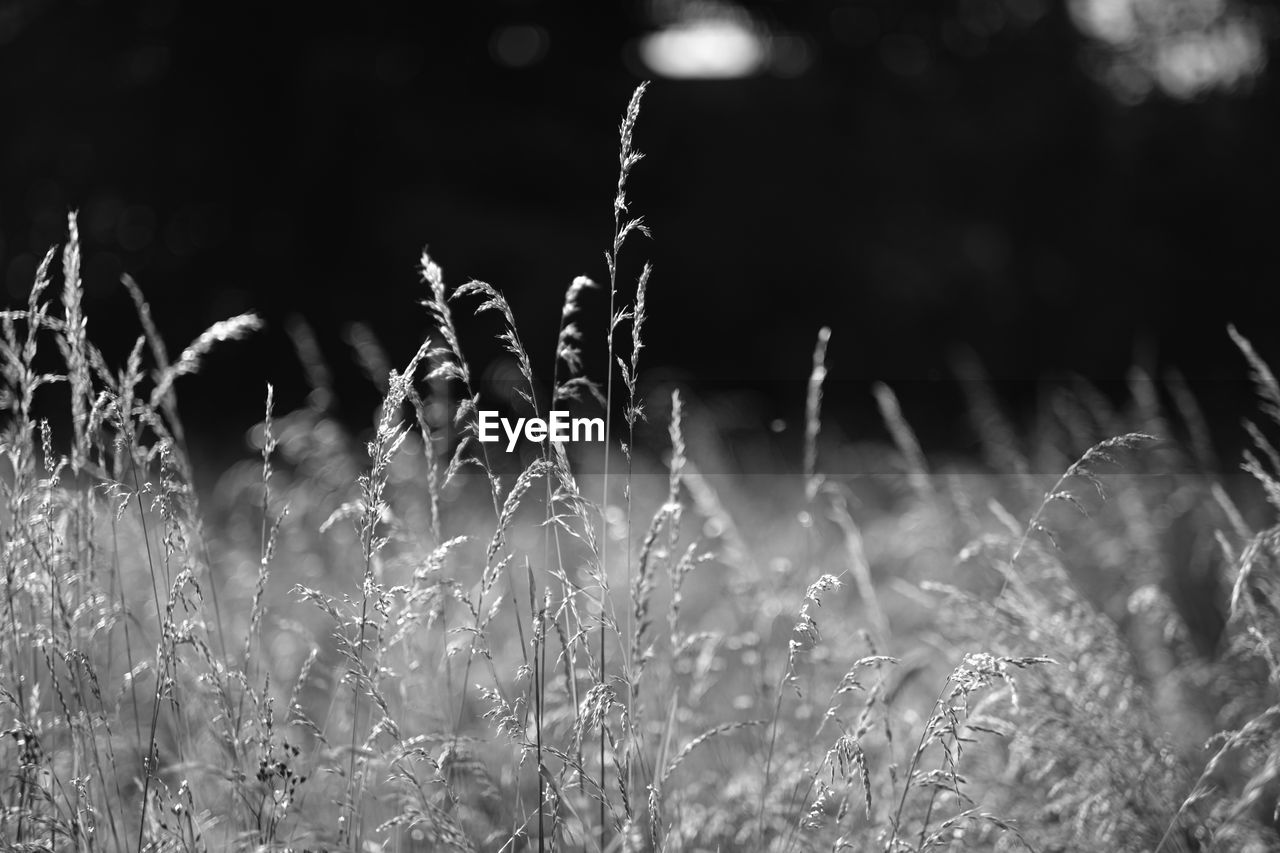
{"points": [[926, 176]]}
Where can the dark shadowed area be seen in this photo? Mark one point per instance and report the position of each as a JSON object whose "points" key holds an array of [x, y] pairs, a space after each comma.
{"points": [[1059, 187]]}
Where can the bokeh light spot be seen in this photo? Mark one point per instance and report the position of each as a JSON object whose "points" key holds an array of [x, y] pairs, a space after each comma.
{"points": [[707, 48], [519, 45], [1184, 48]]}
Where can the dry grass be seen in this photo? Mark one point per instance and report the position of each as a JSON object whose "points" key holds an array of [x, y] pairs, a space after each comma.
{"points": [[400, 642]]}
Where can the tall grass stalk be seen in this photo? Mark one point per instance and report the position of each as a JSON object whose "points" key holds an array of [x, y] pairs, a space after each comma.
{"points": [[623, 226]]}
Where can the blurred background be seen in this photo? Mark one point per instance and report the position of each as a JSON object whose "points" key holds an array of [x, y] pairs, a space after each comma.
{"points": [[1056, 187]]}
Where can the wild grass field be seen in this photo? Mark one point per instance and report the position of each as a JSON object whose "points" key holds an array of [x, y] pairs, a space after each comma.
{"points": [[401, 639]]}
